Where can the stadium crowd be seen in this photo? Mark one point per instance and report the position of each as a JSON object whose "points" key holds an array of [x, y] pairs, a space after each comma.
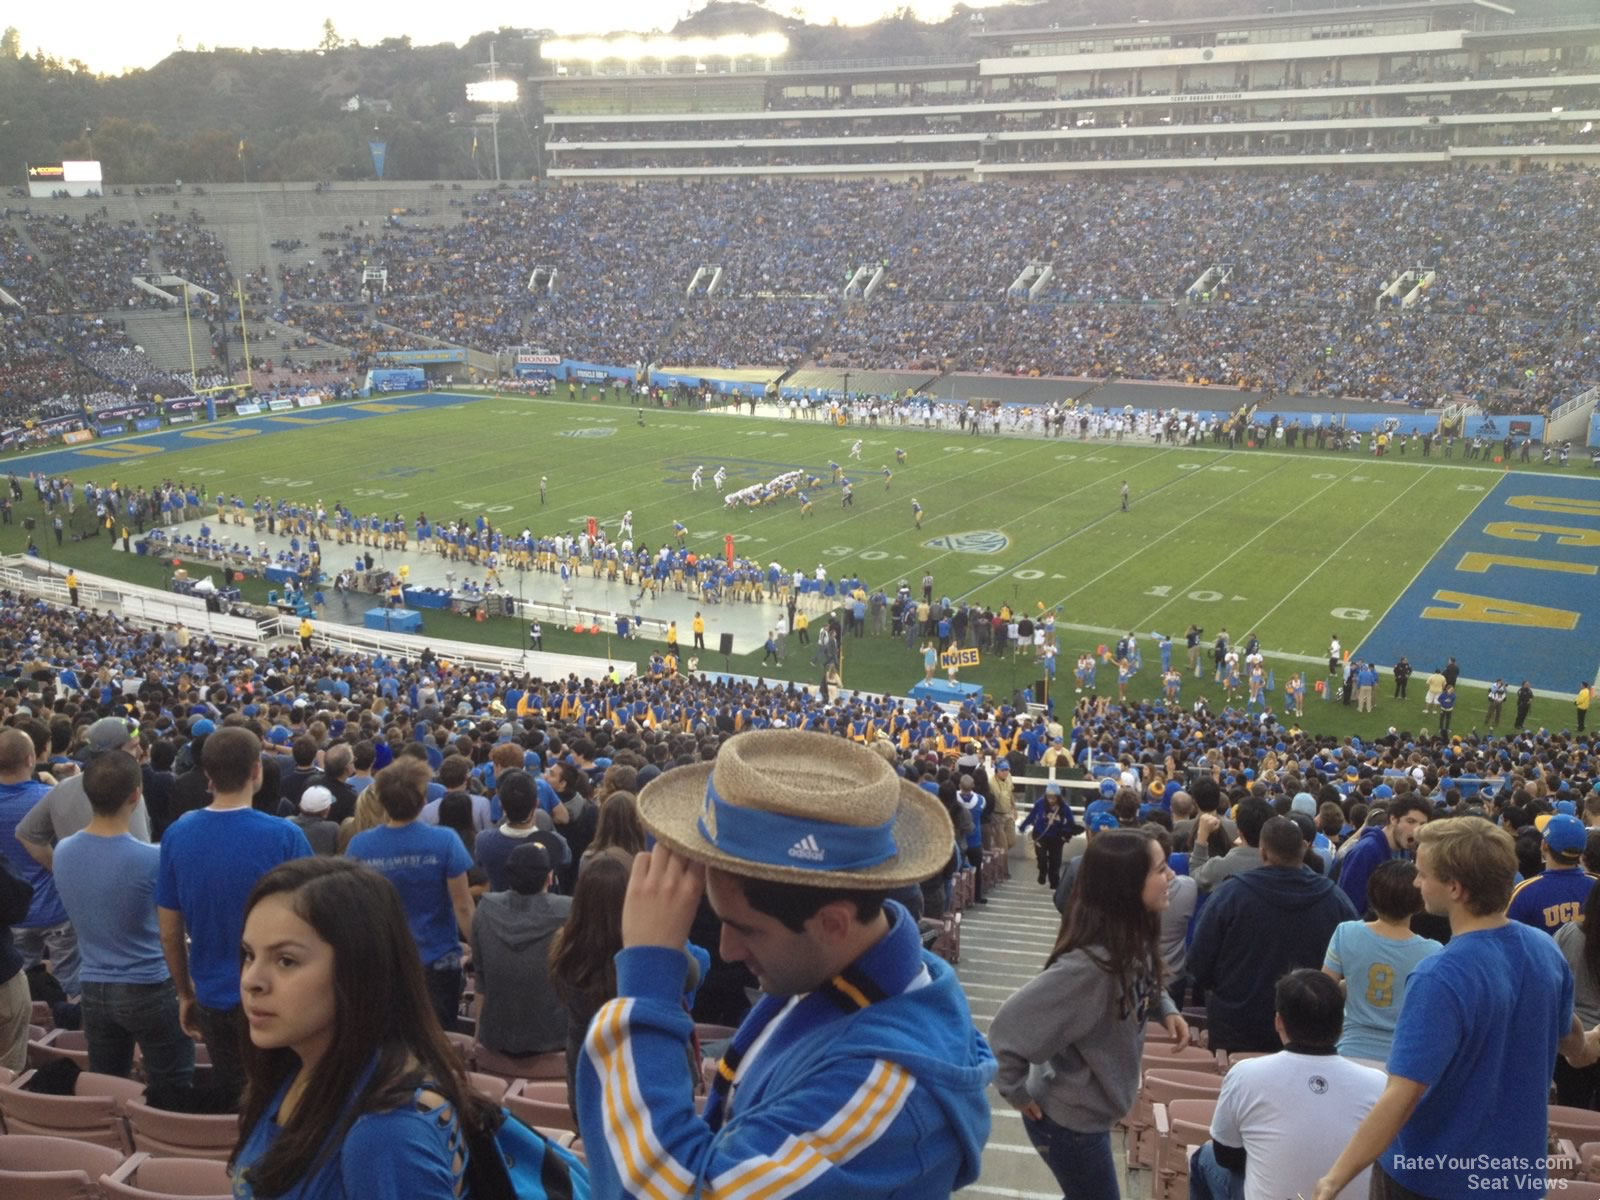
{"points": [[507, 789], [1505, 301], [1509, 318]]}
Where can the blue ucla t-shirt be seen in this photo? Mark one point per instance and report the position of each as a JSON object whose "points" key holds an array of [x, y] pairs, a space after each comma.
{"points": [[419, 860], [211, 861], [1479, 1028], [402, 1154]]}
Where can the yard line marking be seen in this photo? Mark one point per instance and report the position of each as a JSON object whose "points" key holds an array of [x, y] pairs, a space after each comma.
{"points": [[1340, 550], [1240, 549], [1163, 537], [1106, 516]]}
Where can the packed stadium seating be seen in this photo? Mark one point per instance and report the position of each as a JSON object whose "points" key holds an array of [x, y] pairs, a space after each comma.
{"points": [[1510, 318]]}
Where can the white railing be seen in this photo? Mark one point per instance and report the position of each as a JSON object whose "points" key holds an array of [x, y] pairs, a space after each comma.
{"points": [[351, 639], [1571, 406], [1570, 421], [152, 608]]}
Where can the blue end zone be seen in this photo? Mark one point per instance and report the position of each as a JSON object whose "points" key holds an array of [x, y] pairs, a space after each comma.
{"points": [[1514, 593], [99, 456]]}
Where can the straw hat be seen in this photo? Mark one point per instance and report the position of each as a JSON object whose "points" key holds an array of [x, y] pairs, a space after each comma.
{"points": [[805, 808]]}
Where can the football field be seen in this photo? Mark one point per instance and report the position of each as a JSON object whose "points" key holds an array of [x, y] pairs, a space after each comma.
{"points": [[1423, 558]]}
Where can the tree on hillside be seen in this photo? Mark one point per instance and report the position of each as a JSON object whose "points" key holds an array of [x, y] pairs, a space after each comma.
{"points": [[330, 36], [10, 43]]}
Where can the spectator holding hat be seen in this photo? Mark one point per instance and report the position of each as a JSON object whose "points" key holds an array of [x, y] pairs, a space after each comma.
{"points": [[1069, 1043], [1557, 895], [859, 1073]]}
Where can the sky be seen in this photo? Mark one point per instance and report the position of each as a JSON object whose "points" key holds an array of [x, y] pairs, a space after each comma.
{"points": [[110, 38]]}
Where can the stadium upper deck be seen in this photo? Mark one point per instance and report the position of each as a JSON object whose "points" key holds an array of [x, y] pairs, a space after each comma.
{"points": [[1464, 81]]}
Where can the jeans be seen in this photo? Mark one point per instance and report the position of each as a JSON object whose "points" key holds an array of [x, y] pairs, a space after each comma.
{"points": [[59, 944], [444, 993], [116, 1015], [1081, 1162], [1210, 1180], [224, 1033]]}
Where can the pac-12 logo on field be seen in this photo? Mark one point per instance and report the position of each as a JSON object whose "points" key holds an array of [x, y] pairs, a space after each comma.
{"points": [[980, 541]]}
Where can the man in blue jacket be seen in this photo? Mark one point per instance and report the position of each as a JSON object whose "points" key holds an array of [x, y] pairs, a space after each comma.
{"points": [[1254, 929], [1379, 843], [859, 1074]]}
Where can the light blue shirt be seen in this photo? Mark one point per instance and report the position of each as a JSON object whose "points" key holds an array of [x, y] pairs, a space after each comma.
{"points": [[1375, 970], [108, 885]]}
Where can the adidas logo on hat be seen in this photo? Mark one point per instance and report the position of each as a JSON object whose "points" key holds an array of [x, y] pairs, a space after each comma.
{"points": [[807, 849]]}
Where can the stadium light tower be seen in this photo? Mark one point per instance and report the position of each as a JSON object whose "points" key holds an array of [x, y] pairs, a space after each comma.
{"points": [[493, 92]]}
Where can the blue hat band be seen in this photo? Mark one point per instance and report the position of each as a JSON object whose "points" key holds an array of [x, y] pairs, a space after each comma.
{"points": [[778, 840]]}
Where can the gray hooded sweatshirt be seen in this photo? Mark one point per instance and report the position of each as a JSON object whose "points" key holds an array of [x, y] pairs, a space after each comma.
{"points": [[511, 936], [1066, 1042]]}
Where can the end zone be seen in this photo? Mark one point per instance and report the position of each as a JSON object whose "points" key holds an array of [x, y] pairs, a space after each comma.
{"points": [[1513, 593]]}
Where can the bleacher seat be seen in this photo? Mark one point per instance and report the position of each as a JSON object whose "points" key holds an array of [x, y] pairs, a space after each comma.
{"points": [[533, 1066], [1163, 1085], [540, 1108], [145, 1178], [490, 1087], [57, 1044], [1180, 1127], [93, 1113], [166, 1134], [53, 1168]]}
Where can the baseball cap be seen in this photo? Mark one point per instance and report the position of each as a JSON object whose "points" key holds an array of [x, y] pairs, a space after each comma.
{"points": [[1097, 822], [527, 867], [1304, 802], [109, 733], [1565, 835], [1566, 807], [202, 727], [1004, 766], [316, 799]]}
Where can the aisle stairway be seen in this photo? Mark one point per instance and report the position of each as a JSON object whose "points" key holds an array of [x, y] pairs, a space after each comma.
{"points": [[1003, 945]]}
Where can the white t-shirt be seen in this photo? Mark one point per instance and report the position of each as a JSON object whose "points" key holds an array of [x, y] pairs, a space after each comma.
{"points": [[1294, 1114]]}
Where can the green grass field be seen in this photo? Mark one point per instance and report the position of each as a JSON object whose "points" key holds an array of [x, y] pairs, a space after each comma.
{"points": [[1291, 547]]}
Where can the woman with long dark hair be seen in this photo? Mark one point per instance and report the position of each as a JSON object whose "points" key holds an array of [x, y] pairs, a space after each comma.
{"points": [[583, 956], [351, 1088], [1069, 1043], [582, 965], [619, 834]]}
